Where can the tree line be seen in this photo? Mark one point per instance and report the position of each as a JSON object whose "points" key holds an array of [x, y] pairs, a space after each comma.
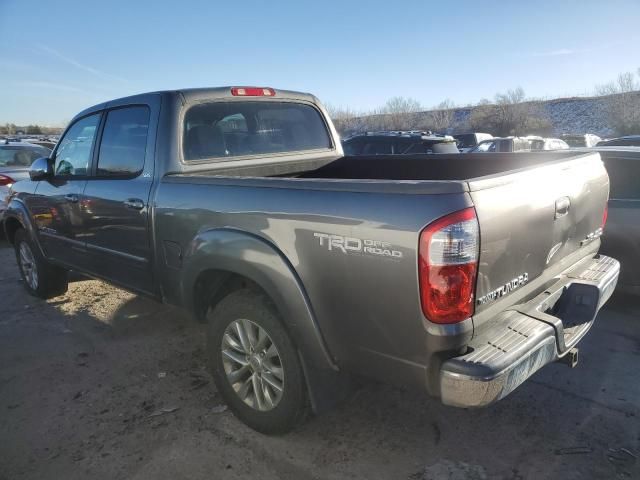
{"points": [[13, 129], [509, 113]]}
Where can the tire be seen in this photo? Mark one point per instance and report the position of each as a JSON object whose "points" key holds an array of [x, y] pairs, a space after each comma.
{"points": [[273, 363], [39, 277]]}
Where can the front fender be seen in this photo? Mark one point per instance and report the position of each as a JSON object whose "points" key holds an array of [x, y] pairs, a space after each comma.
{"points": [[255, 258], [17, 212]]}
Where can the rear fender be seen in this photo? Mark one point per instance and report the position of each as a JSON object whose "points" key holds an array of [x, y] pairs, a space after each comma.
{"points": [[254, 258]]}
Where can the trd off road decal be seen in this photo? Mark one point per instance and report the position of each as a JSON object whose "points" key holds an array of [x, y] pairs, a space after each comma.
{"points": [[338, 243]]}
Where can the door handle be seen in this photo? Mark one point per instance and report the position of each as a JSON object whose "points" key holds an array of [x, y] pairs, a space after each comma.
{"points": [[562, 206], [134, 203], [71, 197]]}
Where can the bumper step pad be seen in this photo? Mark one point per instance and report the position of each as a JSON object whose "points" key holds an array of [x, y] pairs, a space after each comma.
{"points": [[528, 337]]}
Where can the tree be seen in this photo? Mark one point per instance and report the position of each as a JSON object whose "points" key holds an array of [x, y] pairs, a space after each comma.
{"points": [[34, 130], [622, 101], [399, 113], [441, 116], [511, 114], [346, 120]]}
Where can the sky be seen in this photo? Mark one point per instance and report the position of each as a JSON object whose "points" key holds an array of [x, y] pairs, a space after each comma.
{"points": [[59, 57]]}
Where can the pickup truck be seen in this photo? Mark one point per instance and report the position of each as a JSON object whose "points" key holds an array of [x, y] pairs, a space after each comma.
{"points": [[451, 274]]}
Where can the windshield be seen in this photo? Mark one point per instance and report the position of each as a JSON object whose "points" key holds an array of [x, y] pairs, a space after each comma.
{"points": [[14, 156], [484, 147], [230, 129], [466, 140], [575, 141]]}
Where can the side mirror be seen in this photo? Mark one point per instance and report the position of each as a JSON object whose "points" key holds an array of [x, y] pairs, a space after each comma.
{"points": [[41, 169]]}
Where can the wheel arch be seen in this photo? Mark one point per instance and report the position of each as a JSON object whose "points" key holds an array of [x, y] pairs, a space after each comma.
{"points": [[16, 216], [219, 261]]}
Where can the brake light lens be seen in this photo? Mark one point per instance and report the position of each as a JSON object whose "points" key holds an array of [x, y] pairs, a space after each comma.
{"points": [[448, 266], [605, 215], [253, 92], [6, 181]]}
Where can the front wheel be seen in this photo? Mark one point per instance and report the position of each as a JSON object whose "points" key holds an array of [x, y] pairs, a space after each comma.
{"points": [[40, 278], [255, 364]]}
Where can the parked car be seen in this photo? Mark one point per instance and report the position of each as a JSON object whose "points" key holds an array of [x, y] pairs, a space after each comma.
{"points": [[503, 144], [622, 235], [43, 142], [398, 142], [455, 277], [539, 143], [628, 141], [15, 160], [467, 141], [586, 140]]}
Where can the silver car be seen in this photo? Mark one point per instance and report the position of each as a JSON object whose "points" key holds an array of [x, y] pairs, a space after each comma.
{"points": [[15, 160]]}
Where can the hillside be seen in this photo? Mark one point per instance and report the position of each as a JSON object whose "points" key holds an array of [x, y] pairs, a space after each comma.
{"points": [[560, 115]]}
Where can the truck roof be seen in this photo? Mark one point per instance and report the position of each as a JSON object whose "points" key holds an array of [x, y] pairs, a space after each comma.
{"points": [[191, 95]]}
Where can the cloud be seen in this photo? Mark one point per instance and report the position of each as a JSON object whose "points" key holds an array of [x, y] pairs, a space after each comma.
{"points": [[80, 66]]}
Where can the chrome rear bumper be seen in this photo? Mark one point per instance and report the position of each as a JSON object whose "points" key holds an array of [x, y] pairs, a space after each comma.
{"points": [[529, 336]]}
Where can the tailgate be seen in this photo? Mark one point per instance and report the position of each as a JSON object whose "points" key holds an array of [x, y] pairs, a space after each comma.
{"points": [[532, 222]]}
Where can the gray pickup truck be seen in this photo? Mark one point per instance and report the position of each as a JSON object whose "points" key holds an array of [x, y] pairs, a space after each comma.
{"points": [[457, 275]]}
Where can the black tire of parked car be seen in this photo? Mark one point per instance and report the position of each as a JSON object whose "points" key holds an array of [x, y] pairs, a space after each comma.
{"points": [[51, 279], [256, 307]]}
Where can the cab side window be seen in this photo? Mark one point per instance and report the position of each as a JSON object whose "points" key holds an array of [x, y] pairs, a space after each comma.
{"points": [[124, 142], [74, 152]]}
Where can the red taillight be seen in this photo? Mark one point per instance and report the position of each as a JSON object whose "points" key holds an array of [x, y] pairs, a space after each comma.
{"points": [[252, 92], [6, 180], [448, 265], [605, 215]]}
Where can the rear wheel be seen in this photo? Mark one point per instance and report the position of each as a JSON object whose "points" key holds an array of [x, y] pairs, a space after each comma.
{"points": [[255, 364], [40, 278]]}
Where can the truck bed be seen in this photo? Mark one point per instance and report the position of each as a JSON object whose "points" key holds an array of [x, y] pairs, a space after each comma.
{"points": [[426, 168]]}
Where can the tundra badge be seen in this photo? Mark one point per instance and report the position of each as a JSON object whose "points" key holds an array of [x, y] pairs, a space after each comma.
{"points": [[503, 290]]}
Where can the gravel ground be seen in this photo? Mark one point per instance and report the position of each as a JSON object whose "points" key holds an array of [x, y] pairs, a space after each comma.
{"points": [[103, 384]]}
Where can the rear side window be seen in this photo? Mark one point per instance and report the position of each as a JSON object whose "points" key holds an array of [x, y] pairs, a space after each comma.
{"points": [[230, 129], [124, 142]]}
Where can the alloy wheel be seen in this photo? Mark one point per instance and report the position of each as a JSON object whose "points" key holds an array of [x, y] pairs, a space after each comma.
{"points": [[28, 266], [252, 364]]}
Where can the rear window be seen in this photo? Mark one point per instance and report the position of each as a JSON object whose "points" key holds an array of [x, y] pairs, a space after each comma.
{"points": [[231, 129], [21, 156]]}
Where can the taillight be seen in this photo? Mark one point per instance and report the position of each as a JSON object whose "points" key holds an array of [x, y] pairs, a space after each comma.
{"points": [[252, 92], [605, 215], [448, 265], [6, 181]]}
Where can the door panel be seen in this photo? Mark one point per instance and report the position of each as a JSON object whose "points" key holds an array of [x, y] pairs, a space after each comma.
{"points": [[57, 207], [116, 213], [56, 211], [117, 233]]}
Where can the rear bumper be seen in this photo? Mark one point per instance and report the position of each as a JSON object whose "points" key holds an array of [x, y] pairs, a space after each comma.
{"points": [[529, 336]]}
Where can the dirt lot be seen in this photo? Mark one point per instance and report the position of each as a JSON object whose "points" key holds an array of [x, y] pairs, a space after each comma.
{"points": [[100, 384]]}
